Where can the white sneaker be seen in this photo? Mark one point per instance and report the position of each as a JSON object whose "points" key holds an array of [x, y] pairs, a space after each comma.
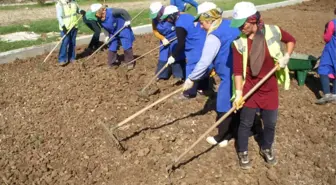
{"points": [[223, 143], [211, 140]]}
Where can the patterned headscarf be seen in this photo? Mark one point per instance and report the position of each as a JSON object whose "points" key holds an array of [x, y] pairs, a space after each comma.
{"points": [[256, 18], [214, 15]]}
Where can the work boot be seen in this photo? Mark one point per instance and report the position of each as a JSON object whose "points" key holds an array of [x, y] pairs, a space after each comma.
{"points": [[269, 156], [325, 99], [129, 57], [112, 59], [244, 160]]}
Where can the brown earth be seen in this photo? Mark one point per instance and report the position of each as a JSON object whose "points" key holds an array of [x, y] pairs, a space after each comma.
{"points": [[50, 117]]}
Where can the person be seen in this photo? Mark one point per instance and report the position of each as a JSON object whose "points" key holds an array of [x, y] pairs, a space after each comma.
{"points": [[255, 53], [182, 4], [165, 31], [113, 20], [66, 12], [327, 67], [190, 40], [91, 21], [217, 51]]}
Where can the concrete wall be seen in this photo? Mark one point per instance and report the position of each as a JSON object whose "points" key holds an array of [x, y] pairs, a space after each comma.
{"points": [[24, 53]]}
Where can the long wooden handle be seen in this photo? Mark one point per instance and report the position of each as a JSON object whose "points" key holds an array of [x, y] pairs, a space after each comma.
{"points": [[113, 36], [226, 115], [61, 39], [157, 74], [147, 53], [146, 108]]}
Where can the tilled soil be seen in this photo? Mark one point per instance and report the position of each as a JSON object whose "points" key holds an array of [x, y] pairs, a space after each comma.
{"points": [[51, 132]]}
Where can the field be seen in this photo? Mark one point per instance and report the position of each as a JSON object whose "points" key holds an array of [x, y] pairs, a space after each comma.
{"points": [[51, 116]]}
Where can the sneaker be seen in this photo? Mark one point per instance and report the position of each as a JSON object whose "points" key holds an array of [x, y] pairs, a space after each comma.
{"points": [[62, 63], [223, 143], [211, 140], [268, 155], [244, 160], [325, 99], [333, 98]]}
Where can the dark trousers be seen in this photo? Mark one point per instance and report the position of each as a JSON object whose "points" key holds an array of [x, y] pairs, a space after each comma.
{"points": [[176, 69], [247, 118], [325, 81], [113, 56], [93, 25], [227, 129]]}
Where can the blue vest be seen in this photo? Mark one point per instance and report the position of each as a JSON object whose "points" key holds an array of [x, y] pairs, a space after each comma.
{"points": [[328, 58], [167, 29], [223, 64], [195, 38], [112, 24]]}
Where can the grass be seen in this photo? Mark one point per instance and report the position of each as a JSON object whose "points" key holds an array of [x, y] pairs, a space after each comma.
{"points": [[5, 46], [51, 4], [51, 25]]}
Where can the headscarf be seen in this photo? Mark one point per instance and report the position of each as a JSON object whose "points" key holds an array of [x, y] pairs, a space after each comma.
{"points": [[214, 15], [257, 52]]}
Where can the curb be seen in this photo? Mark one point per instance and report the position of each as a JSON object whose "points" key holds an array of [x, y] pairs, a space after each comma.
{"points": [[23, 53]]}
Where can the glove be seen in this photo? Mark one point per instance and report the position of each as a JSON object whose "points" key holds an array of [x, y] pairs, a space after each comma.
{"points": [[171, 60], [238, 102], [65, 30], [284, 61], [212, 73], [106, 39], [188, 84], [127, 23], [165, 42], [82, 12]]}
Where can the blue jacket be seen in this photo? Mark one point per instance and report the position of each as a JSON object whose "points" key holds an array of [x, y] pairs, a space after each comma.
{"points": [[180, 4], [223, 64], [328, 58]]}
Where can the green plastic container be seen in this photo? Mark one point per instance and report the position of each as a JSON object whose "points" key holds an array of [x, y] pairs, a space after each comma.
{"points": [[301, 64]]}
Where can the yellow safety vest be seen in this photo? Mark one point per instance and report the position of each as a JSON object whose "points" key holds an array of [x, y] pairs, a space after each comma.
{"points": [[273, 41], [69, 15]]}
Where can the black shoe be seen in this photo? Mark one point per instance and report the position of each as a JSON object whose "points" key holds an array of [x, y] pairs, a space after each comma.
{"points": [[269, 156], [244, 160]]}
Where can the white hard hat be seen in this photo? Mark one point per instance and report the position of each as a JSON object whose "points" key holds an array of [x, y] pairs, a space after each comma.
{"points": [[168, 11], [95, 7], [154, 9], [205, 7], [241, 12]]}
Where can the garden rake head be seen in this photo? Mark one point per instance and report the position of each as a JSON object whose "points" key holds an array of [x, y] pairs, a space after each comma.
{"points": [[114, 138]]}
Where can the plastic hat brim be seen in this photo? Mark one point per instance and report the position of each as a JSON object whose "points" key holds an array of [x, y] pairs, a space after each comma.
{"points": [[197, 17], [163, 17], [236, 23], [153, 15]]}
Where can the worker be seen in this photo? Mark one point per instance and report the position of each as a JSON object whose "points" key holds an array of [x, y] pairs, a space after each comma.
{"points": [[327, 66], [190, 40], [66, 12], [182, 4], [165, 31], [251, 62], [91, 21], [217, 51], [114, 20]]}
